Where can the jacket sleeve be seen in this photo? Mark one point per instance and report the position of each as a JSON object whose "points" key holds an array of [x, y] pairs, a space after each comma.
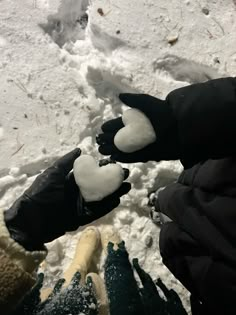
{"points": [[178, 250], [207, 217], [199, 245], [17, 269], [210, 280], [206, 119]]}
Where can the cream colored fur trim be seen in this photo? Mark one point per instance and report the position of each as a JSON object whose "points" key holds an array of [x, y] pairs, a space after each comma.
{"points": [[26, 260]]}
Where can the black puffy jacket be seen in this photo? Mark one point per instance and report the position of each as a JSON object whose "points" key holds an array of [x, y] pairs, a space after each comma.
{"points": [[199, 245]]}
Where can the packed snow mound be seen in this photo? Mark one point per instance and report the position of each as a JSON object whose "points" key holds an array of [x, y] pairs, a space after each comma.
{"points": [[137, 133], [69, 23], [96, 182]]}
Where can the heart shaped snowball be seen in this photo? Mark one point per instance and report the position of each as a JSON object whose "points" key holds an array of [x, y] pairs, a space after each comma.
{"points": [[96, 183], [137, 133]]}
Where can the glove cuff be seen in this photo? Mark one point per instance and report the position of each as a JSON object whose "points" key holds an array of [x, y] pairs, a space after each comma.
{"points": [[26, 260]]}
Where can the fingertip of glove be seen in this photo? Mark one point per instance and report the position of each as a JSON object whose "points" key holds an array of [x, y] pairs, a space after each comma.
{"points": [[122, 157], [105, 162], [76, 278], [105, 149], [112, 125], [98, 139], [131, 99], [124, 97], [125, 188], [101, 150], [57, 287], [135, 262], [126, 173], [89, 280], [76, 152]]}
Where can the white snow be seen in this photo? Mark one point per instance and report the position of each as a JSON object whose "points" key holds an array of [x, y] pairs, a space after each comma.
{"points": [[3, 41], [137, 133], [96, 182], [68, 23], [54, 99]]}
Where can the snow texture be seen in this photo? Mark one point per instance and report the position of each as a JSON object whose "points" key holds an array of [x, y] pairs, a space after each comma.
{"points": [[137, 133], [69, 23], [54, 99], [96, 182]]}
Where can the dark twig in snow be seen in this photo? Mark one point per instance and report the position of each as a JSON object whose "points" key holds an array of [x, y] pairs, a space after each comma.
{"points": [[21, 86], [18, 150]]}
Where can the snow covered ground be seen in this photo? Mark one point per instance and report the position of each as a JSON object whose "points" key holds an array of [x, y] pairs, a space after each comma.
{"points": [[55, 97]]}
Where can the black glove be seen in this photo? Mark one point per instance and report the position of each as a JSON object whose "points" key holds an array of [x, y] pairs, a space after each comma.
{"points": [[153, 303], [173, 303], [48, 208], [53, 205], [160, 114], [30, 302], [194, 123], [121, 286], [74, 299]]}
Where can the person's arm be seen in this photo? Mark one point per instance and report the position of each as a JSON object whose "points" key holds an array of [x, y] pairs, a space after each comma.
{"points": [[194, 123], [32, 220], [208, 278], [207, 216], [198, 245], [50, 207], [206, 120], [54, 205]]}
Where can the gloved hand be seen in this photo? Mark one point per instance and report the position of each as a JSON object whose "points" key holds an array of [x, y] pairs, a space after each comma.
{"points": [[173, 303], [73, 299], [121, 286], [53, 205], [31, 301], [48, 208], [153, 303], [160, 114]]}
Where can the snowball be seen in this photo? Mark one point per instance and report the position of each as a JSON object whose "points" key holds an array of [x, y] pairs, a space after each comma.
{"points": [[95, 183], [137, 133]]}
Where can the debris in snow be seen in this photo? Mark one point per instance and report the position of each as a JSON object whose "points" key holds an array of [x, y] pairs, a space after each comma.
{"points": [[100, 11], [20, 147], [137, 133], [216, 60], [172, 39], [149, 241], [96, 182], [205, 11], [44, 150]]}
